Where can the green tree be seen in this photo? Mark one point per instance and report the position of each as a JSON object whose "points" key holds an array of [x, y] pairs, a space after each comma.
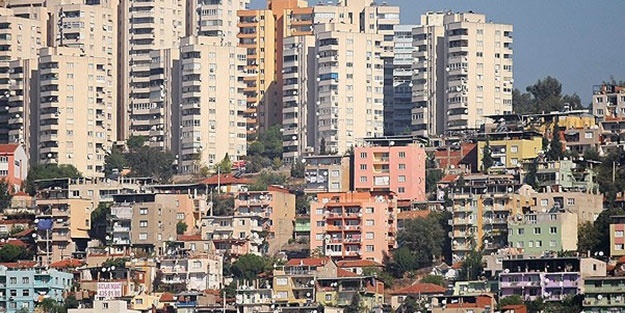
{"points": [[5, 195], [403, 260], [432, 177], [472, 266], [555, 152], [587, 237], [570, 304], [71, 302], [355, 305], [249, 266], [12, 253], [181, 228], [150, 162], [522, 102], [543, 96], [434, 279], [509, 300], [302, 203], [530, 176], [225, 166], [48, 171], [298, 169], [487, 158], [114, 161], [266, 178], [135, 142], [100, 220], [223, 205], [602, 227]]}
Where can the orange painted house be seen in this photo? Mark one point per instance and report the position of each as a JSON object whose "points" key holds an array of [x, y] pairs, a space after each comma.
{"points": [[13, 165]]}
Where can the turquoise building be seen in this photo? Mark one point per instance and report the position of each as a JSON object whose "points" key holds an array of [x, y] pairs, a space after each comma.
{"points": [[24, 287]]}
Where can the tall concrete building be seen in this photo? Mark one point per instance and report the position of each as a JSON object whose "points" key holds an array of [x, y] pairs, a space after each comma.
{"points": [[212, 103], [23, 100], [398, 98], [349, 88], [144, 26], [214, 18], [164, 99], [462, 72], [74, 116], [20, 38]]}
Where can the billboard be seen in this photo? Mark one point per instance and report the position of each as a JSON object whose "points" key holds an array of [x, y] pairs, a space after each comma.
{"points": [[110, 290]]}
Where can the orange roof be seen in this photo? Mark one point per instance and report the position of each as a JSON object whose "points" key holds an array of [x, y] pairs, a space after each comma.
{"points": [[409, 215], [225, 179], [345, 273], [420, 288], [358, 263], [449, 178], [621, 260], [480, 302], [67, 263], [8, 148], [21, 193], [20, 264], [13, 242], [307, 262], [190, 238], [11, 222], [167, 297]]}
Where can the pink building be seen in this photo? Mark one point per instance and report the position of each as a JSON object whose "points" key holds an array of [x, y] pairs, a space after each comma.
{"points": [[391, 165], [13, 165], [353, 225]]}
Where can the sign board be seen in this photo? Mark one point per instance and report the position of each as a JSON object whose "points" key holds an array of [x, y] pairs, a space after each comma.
{"points": [[110, 290]]}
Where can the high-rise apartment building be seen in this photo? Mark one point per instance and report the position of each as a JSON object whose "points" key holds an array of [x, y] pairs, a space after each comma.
{"points": [[349, 88], [74, 116], [462, 72], [20, 38], [144, 25], [398, 98], [23, 100], [164, 99], [214, 18], [212, 103]]}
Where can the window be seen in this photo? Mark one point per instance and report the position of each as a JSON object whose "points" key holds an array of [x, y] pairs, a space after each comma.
{"points": [[371, 210], [242, 222], [25, 280], [319, 211], [282, 281], [242, 235], [180, 216], [143, 224], [105, 305], [539, 243], [618, 246], [552, 243], [520, 231], [588, 135], [143, 211], [328, 297], [530, 244], [514, 149], [363, 167], [401, 178], [321, 223], [363, 179], [570, 201], [369, 222], [401, 189], [402, 166], [553, 230], [143, 236], [402, 154], [537, 230], [13, 280], [363, 155], [139, 301], [25, 293], [369, 235], [319, 237], [544, 202], [370, 248]]}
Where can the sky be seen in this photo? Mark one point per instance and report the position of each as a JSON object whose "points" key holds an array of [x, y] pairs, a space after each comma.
{"points": [[579, 42]]}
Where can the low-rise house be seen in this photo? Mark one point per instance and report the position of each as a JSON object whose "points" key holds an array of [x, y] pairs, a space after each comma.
{"points": [[106, 306], [13, 165], [421, 292], [462, 304], [197, 272], [535, 233], [551, 279]]}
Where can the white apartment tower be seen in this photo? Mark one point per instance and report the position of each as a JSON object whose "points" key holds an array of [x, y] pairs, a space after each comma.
{"points": [[212, 103], [72, 119], [164, 99], [349, 88], [298, 113], [214, 18], [474, 72], [144, 26], [398, 100], [20, 39]]}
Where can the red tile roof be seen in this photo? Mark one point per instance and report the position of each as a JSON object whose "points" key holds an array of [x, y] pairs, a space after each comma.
{"points": [[345, 273], [8, 148], [189, 237], [225, 179], [358, 263], [67, 263], [420, 288], [409, 215], [480, 302], [12, 222], [167, 297], [307, 262], [449, 178], [20, 264]]}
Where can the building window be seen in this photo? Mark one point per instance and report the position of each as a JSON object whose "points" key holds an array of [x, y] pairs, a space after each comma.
{"points": [[402, 166], [143, 236], [363, 167], [618, 246], [363, 179], [552, 243], [319, 237], [13, 280], [319, 211], [143, 224], [105, 305], [328, 297], [514, 149], [401, 190], [536, 230], [25, 280], [4, 173], [553, 230], [539, 243], [401, 178], [363, 155], [321, 223], [402, 154], [369, 235], [180, 216], [25, 293], [570, 201], [544, 202], [139, 301], [143, 211], [520, 231], [370, 248], [369, 222], [618, 234], [369, 210]]}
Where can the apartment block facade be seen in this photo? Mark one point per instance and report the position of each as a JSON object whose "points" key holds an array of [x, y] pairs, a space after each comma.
{"points": [[539, 232], [327, 173], [510, 149], [13, 166], [212, 103], [398, 95], [391, 165], [353, 225], [23, 101], [608, 101], [23, 287], [198, 272], [617, 237], [474, 70]]}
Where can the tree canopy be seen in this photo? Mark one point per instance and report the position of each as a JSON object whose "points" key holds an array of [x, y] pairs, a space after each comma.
{"points": [[249, 266], [543, 96], [5, 195], [12, 253], [143, 161], [49, 171]]}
